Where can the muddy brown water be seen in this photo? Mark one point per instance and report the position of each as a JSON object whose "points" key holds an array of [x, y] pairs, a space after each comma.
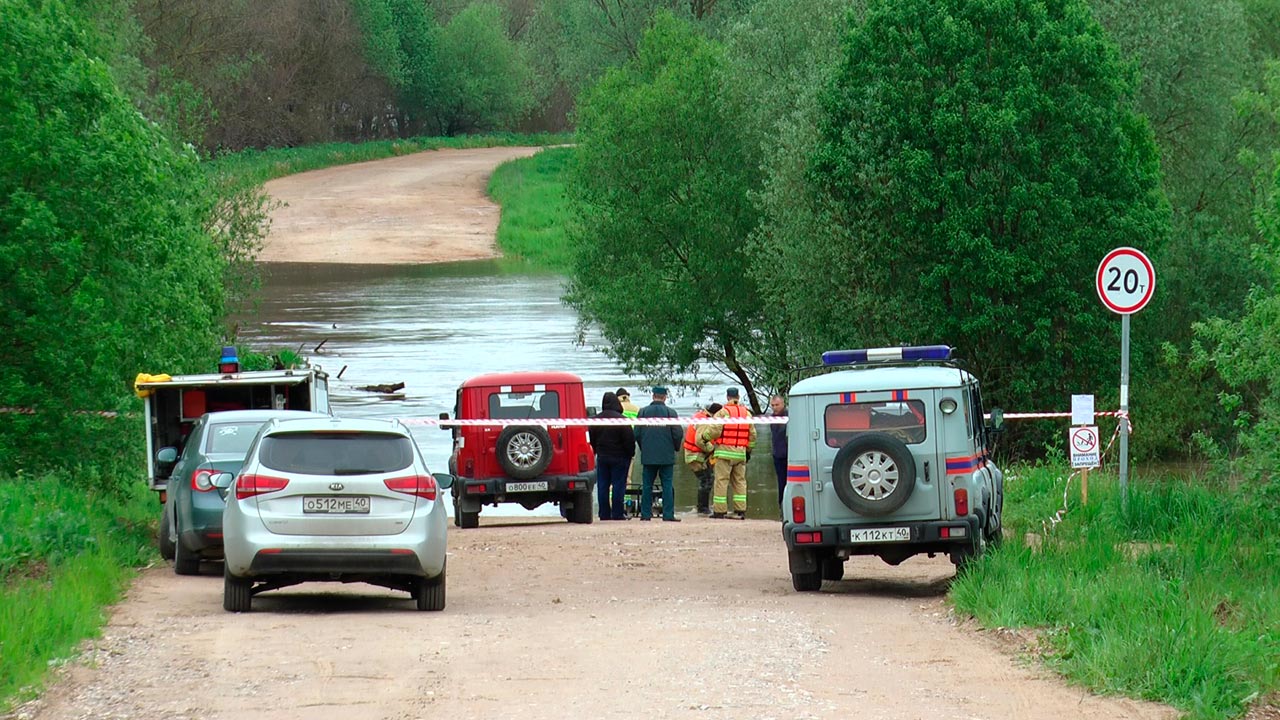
{"points": [[433, 326]]}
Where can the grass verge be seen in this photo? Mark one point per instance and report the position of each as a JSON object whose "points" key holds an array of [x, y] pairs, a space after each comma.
{"points": [[64, 555], [254, 167], [1176, 599], [531, 192]]}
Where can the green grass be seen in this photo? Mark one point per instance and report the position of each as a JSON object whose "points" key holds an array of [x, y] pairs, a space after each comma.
{"points": [[258, 166], [64, 555], [1176, 600], [534, 208]]}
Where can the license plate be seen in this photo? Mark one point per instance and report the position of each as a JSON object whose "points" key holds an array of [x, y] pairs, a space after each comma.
{"points": [[873, 535], [335, 504], [527, 486]]}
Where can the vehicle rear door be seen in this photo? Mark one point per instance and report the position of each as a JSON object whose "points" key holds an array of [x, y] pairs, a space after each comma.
{"points": [[336, 483], [905, 414]]}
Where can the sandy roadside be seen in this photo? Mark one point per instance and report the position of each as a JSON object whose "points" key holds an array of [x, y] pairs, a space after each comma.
{"points": [[551, 620], [423, 208]]}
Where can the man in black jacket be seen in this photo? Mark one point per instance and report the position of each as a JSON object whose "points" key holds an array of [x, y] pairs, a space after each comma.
{"points": [[658, 446], [615, 445]]}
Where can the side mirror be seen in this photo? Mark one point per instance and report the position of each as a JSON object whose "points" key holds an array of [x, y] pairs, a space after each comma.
{"points": [[444, 480], [591, 412], [997, 420], [167, 455], [222, 481], [445, 416]]}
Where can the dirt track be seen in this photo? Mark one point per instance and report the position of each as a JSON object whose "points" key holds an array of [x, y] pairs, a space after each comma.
{"points": [[551, 620], [547, 619], [422, 208]]}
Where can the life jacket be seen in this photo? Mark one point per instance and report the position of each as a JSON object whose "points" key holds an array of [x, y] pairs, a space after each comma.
{"points": [[736, 435], [691, 432]]}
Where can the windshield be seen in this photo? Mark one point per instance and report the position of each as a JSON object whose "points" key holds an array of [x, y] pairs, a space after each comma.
{"points": [[231, 438], [336, 453]]}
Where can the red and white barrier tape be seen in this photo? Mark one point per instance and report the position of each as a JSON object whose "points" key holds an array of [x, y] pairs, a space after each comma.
{"points": [[588, 422], [1046, 415]]}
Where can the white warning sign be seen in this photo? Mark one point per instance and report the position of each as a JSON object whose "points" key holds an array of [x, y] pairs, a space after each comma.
{"points": [[1083, 443]]}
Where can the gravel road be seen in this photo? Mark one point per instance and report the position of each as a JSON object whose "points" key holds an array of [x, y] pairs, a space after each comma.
{"points": [[551, 620]]}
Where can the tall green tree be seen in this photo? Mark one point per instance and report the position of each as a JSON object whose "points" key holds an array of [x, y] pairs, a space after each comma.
{"points": [[484, 80], [105, 265], [983, 155], [662, 190]]}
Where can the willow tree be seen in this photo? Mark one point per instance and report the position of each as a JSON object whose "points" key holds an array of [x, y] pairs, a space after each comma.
{"points": [[662, 195], [982, 156]]}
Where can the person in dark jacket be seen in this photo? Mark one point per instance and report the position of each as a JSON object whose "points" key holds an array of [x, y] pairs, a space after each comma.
{"points": [[778, 407], [658, 446], [615, 445]]}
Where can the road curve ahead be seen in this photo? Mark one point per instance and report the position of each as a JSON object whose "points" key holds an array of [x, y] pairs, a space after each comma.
{"points": [[426, 207]]}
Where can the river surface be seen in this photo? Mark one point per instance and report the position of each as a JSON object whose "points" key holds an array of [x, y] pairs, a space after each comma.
{"points": [[433, 326]]}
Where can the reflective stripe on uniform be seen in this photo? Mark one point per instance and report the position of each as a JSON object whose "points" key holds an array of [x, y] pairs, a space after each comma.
{"points": [[719, 499], [729, 453], [739, 498]]}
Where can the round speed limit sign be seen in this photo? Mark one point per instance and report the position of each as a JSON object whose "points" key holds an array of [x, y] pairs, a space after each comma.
{"points": [[1126, 280]]}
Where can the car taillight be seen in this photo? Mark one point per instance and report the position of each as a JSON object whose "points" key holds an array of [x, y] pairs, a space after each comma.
{"points": [[202, 480], [797, 510], [962, 501], [471, 468], [250, 485], [582, 462], [423, 486]]}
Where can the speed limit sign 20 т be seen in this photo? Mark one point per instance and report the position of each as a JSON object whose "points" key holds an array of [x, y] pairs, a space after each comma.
{"points": [[1126, 280]]}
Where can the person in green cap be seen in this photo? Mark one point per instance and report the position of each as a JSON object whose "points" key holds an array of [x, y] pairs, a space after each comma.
{"points": [[658, 446]]}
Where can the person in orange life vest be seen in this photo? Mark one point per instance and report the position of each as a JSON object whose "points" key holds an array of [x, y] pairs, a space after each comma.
{"points": [[697, 459], [730, 444]]}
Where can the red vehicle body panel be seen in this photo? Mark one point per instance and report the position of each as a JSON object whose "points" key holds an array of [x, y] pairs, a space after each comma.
{"points": [[476, 456]]}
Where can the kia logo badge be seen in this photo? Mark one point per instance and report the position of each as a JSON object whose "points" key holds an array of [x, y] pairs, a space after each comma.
{"points": [[336, 486]]}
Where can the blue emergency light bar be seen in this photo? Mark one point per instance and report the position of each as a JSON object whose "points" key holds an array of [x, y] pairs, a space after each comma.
{"points": [[870, 355]]}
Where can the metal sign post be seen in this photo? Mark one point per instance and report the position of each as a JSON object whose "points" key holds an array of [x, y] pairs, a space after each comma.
{"points": [[1125, 280]]}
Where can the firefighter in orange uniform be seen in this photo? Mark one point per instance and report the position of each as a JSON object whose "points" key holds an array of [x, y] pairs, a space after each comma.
{"points": [[729, 444]]}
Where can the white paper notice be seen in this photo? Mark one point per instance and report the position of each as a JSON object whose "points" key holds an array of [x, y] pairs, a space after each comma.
{"points": [[1081, 409]]}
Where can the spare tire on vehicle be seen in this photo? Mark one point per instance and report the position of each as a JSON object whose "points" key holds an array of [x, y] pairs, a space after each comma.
{"points": [[874, 474], [524, 451]]}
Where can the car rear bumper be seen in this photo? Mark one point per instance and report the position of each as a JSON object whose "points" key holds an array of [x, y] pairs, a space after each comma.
{"points": [[343, 562], [251, 550], [506, 489], [925, 537]]}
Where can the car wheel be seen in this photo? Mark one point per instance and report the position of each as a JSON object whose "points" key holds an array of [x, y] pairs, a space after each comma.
{"points": [[164, 538], [807, 582], [964, 558], [524, 451], [430, 592], [237, 593], [832, 568], [581, 513], [874, 474], [185, 562]]}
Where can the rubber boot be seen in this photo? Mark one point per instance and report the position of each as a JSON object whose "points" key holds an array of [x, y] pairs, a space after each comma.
{"points": [[704, 491]]}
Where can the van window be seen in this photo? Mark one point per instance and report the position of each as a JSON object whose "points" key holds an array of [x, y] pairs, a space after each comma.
{"points": [[903, 419], [522, 406], [336, 453], [231, 438]]}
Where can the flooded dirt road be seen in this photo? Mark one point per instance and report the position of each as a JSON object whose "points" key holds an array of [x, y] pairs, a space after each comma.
{"points": [[551, 620], [421, 208]]}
